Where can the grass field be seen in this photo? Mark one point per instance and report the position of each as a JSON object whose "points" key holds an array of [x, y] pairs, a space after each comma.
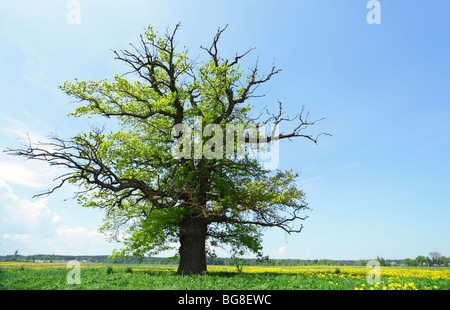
{"points": [[53, 276]]}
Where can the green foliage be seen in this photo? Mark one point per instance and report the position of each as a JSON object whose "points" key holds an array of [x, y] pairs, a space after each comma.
{"points": [[128, 270], [109, 270], [155, 197], [130, 173]]}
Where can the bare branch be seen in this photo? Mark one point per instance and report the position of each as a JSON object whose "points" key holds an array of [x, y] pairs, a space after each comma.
{"points": [[302, 124], [213, 50]]}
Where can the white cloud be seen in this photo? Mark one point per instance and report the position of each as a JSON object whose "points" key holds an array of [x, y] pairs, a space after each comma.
{"points": [[80, 236], [19, 174], [56, 219], [17, 237], [31, 211], [5, 191], [306, 256], [22, 210], [19, 129], [281, 252], [17, 134], [305, 181], [16, 170], [31, 227]]}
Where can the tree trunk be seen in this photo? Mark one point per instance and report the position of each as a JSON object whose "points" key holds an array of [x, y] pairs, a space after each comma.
{"points": [[192, 249]]}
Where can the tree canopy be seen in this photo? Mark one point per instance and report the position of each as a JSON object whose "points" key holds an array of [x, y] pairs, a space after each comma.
{"points": [[155, 201]]}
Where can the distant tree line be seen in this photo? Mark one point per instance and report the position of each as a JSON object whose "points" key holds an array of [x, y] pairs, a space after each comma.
{"points": [[435, 259]]}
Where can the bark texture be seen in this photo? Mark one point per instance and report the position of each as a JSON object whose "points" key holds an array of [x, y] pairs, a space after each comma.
{"points": [[192, 248]]}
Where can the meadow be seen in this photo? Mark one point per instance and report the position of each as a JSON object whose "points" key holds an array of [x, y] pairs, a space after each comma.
{"points": [[53, 276]]}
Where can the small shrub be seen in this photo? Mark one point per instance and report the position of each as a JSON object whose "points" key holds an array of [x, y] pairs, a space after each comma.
{"points": [[337, 271], [109, 270], [128, 270]]}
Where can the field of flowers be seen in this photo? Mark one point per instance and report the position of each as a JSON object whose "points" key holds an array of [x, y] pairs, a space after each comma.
{"points": [[53, 276]]}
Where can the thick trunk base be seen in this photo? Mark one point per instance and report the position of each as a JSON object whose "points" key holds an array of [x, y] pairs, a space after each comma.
{"points": [[192, 248]]}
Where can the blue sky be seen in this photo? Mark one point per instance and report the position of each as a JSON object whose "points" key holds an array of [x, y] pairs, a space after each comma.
{"points": [[378, 187]]}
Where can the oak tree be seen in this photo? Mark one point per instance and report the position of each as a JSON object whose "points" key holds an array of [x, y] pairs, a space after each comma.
{"points": [[154, 201]]}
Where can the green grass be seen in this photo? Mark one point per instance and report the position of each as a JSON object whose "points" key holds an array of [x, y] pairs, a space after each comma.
{"points": [[126, 278], [93, 279]]}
